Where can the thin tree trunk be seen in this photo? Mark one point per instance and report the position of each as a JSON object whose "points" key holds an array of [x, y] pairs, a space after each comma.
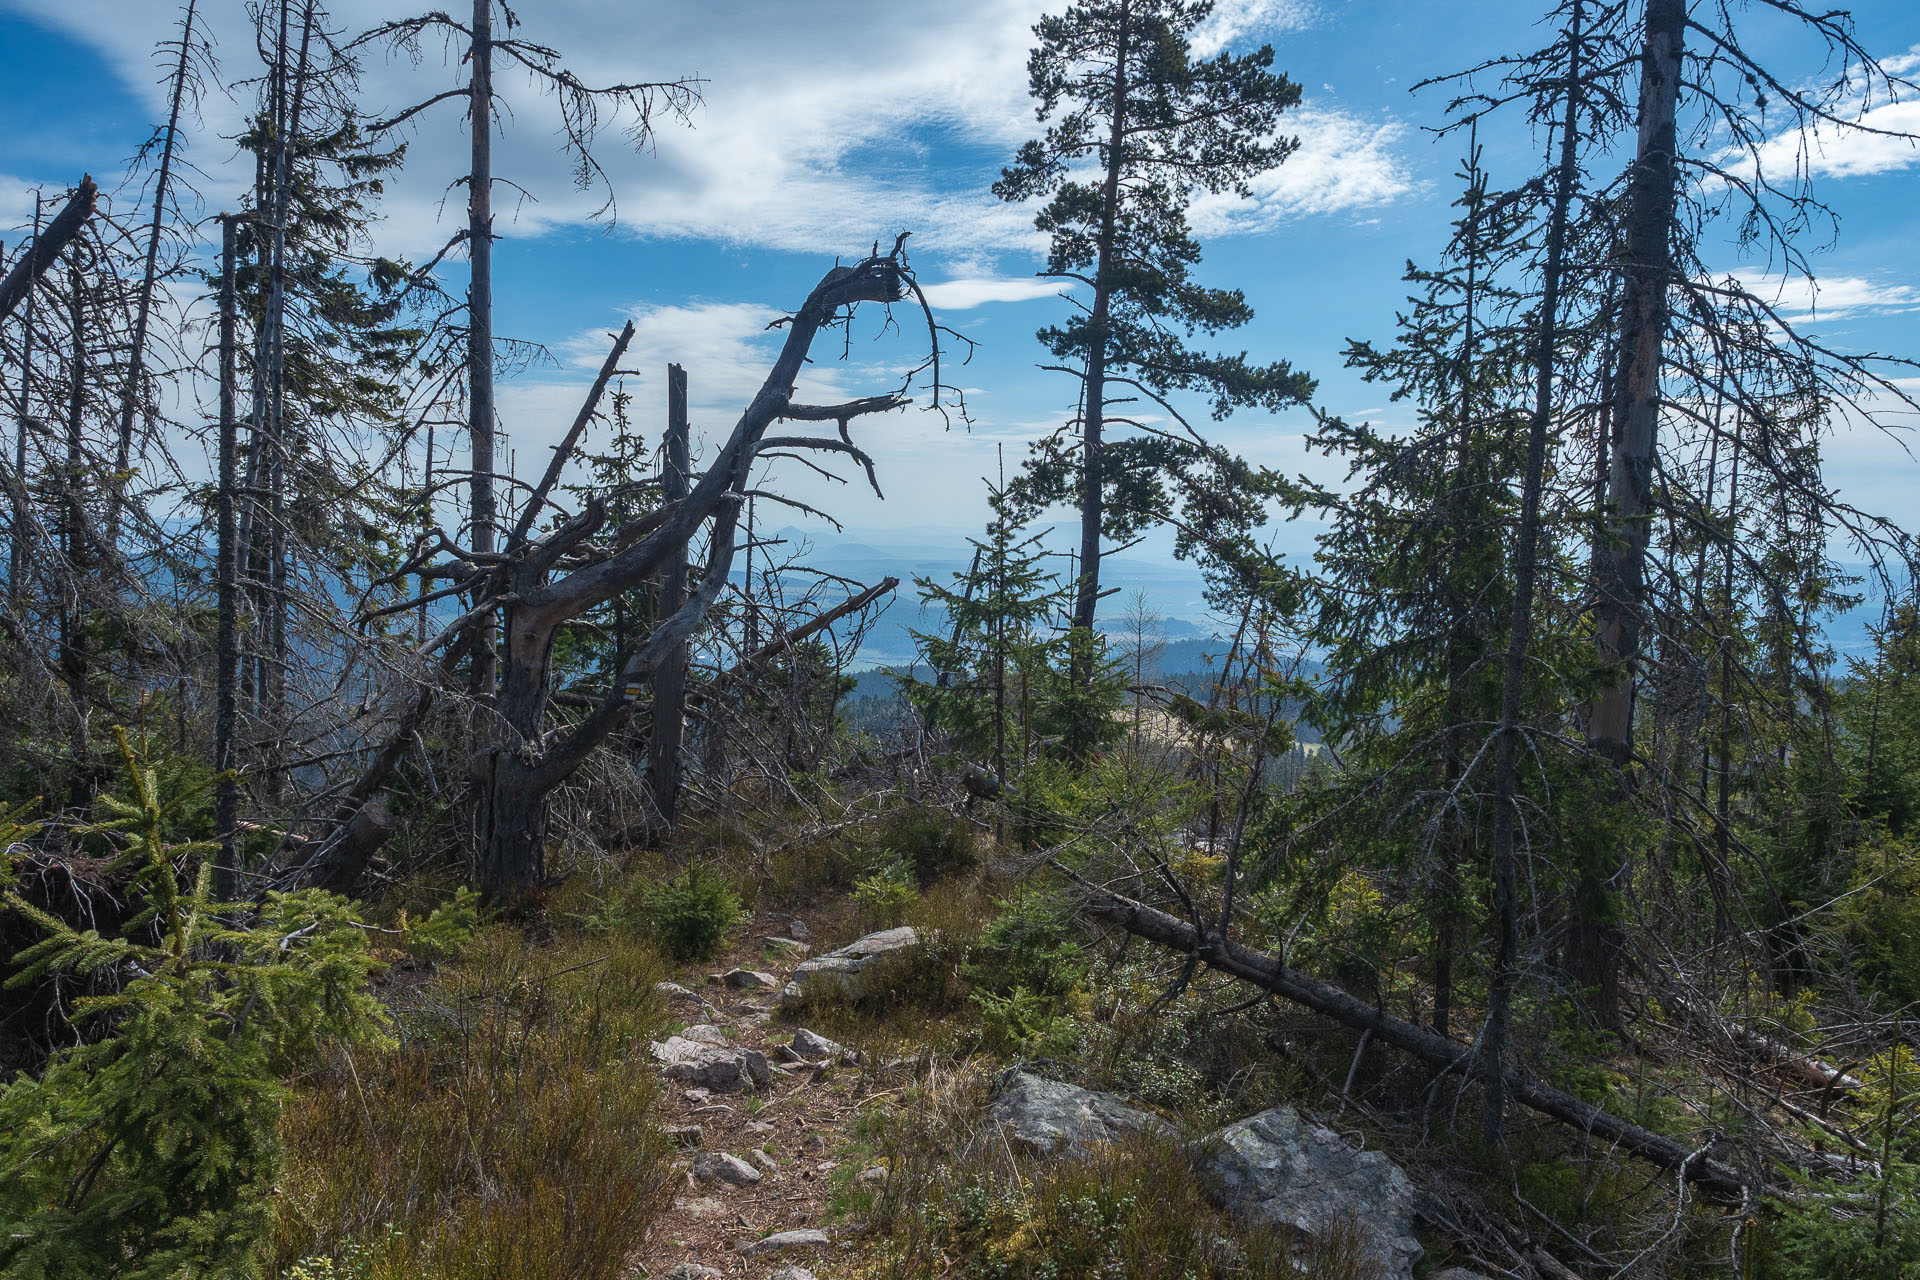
{"points": [[136, 355], [227, 647], [1506, 768], [1093, 412], [670, 684], [480, 411], [1620, 561], [47, 246], [22, 503]]}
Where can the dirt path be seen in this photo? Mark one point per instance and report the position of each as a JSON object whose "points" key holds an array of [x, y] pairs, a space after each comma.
{"points": [[799, 1125]]}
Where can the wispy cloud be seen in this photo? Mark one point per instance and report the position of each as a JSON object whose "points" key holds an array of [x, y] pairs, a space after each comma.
{"points": [[1802, 301], [964, 295], [1882, 138]]}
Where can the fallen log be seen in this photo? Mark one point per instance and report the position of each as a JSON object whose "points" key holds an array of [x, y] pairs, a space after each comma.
{"points": [[1229, 957], [44, 249]]}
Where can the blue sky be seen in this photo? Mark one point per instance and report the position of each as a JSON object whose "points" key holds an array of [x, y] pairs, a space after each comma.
{"points": [[827, 125]]}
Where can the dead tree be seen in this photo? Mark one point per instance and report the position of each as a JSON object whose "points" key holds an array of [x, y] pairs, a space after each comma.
{"points": [[536, 584], [47, 246], [670, 687]]}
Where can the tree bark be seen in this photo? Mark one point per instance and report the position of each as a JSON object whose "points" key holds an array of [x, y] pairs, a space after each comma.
{"points": [[670, 685], [22, 499], [1620, 557]]}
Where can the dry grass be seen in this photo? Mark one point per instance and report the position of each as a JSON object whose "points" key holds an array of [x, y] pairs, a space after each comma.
{"points": [[509, 1135]]}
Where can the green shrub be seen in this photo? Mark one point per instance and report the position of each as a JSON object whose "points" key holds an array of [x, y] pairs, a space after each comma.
{"points": [[445, 931], [1027, 946], [936, 845], [151, 1151], [693, 915], [882, 899]]}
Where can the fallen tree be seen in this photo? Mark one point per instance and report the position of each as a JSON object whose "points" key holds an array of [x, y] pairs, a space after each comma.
{"points": [[1449, 1056], [44, 249]]}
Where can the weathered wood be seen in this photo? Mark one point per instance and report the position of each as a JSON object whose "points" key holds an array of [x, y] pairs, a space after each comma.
{"points": [[226, 585], [343, 859], [45, 250], [668, 731], [1448, 1055]]}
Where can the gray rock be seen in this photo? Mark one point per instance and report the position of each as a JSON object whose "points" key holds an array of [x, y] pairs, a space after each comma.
{"points": [[797, 929], [871, 1177], [692, 1271], [792, 1273], [751, 979], [763, 1160], [781, 1241], [785, 946], [722, 1070], [674, 993], [708, 1034], [1457, 1273], [684, 1135], [719, 1166], [1047, 1118], [700, 1207], [809, 1045], [847, 971], [1280, 1170]]}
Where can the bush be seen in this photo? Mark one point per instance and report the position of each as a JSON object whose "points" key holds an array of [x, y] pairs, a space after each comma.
{"points": [[934, 844], [151, 1150], [882, 900], [692, 916]]}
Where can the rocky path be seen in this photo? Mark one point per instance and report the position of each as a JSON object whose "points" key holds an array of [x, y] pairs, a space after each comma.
{"points": [[762, 1111]]}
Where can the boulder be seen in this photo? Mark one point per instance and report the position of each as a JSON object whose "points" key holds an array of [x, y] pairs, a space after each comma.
{"points": [[1048, 1118], [781, 1241], [719, 1166], [846, 971], [751, 979], [722, 1070], [1280, 1170]]}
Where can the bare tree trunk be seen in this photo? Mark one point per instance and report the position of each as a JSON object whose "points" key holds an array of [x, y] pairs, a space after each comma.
{"points": [[46, 247], [227, 646], [1272, 974], [480, 412], [670, 684], [22, 502], [130, 394], [74, 657], [1620, 559], [1506, 768]]}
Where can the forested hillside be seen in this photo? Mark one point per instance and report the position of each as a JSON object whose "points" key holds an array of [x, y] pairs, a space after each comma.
{"points": [[429, 858]]}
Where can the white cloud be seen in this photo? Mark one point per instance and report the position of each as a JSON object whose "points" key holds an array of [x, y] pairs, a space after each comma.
{"points": [[1801, 300], [1241, 23], [1884, 140], [964, 295], [818, 133], [1344, 164]]}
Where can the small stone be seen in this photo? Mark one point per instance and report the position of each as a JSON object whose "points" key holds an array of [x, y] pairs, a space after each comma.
{"points": [[716, 979], [719, 1166], [708, 1034], [757, 1129], [786, 946], [684, 1135], [788, 1055], [797, 929], [692, 1271], [701, 1207], [872, 1177], [674, 993], [792, 1273], [751, 979], [698, 1097], [781, 1241], [809, 1045], [826, 1166], [814, 1142], [762, 1159]]}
